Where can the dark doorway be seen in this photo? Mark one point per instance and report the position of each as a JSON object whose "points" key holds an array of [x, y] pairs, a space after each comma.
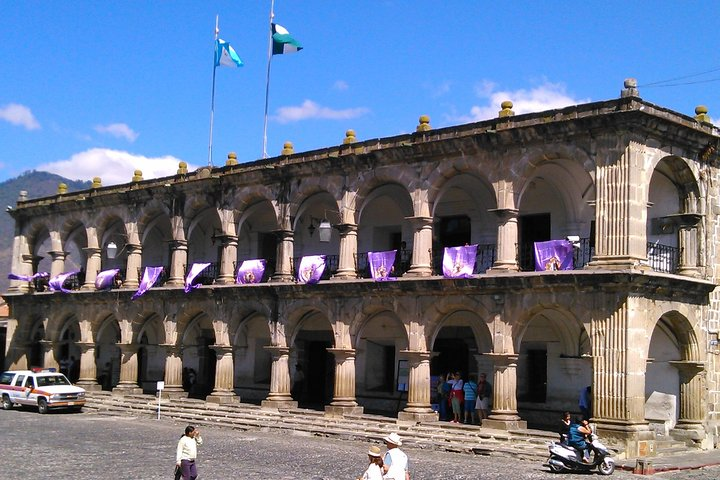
{"points": [[3, 336], [268, 250], [532, 228], [207, 362], [453, 231], [537, 376], [320, 373], [453, 355]]}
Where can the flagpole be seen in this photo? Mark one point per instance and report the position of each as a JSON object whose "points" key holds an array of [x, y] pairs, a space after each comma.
{"points": [[212, 96], [267, 82]]}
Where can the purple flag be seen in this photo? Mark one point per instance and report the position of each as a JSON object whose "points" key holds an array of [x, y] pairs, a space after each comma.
{"points": [[56, 283], [311, 269], [381, 265], [28, 278], [194, 272], [150, 276], [106, 279], [459, 262], [250, 271], [553, 255]]}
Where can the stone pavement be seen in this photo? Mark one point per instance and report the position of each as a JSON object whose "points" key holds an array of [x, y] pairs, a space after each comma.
{"points": [[671, 463]]}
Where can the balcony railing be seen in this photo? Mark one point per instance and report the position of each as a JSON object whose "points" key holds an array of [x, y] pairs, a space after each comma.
{"points": [[583, 252], [331, 266], [484, 260], [663, 258], [402, 263]]}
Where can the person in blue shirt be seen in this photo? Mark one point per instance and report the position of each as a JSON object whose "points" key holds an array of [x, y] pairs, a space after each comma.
{"points": [[578, 437], [470, 393]]}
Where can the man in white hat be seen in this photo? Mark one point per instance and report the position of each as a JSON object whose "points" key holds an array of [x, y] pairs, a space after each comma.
{"points": [[396, 464]]}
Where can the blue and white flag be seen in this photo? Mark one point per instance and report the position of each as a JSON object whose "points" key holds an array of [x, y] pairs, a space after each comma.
{"points": [[459, 262], [311, 269], [250, 271], [283, 42], [150, 276], [106, 279], [226, 55], [382, 265], [553, 255], [194, 272]]}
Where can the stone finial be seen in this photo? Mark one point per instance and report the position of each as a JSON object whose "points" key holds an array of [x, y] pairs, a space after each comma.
{"points": [[506, 109], [231, 159], [424, 125], [23, 196], [349, 137], [630, 88], [182, 168], [62, 188], [96, 182], [701, 114], [137, 176], [288, 148]]}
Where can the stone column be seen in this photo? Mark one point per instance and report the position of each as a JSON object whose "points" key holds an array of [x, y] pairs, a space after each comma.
{"points": [[178, 263], [26, 268], [173, 372], [88, 369], [134, 261], [620, 206], [228, 259], [618, 385], [504, 414], [128, 370], [421, 265], [507, 242], [279, 396], [223, 392], [49, 360], [93, 264], [283, 261], [692, 401], [688, 241], [344, 392], [58, 262], [348, 250], [418, 404]]}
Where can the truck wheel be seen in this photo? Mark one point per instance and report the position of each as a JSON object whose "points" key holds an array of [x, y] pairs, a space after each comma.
{"points": [[42, 406], [6, 403]]}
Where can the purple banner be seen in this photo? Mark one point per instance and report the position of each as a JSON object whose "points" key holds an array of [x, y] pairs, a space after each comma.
{"points": [[311, 269], [194, 272], [381, 265], [150, 276], [459, 262], [28, 278], [106, 279], [250, 271], [56, 283], [553, 255]]}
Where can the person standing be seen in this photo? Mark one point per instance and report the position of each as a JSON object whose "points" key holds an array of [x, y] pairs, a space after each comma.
{"points": [[396, 465], [187, 453], [484, 397], [585, 402], [470, 393], [374, 470], [456, 397]]}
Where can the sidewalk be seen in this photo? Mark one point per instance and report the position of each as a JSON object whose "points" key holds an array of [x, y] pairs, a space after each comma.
{"points": [[669, 463]]}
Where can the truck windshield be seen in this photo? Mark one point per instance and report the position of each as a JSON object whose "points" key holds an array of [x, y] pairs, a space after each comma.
{"points": [[49, 380]]}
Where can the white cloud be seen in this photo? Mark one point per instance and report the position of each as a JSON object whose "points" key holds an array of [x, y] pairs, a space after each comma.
{"points": [[19, 115], [118, 130], [341, 85], [546, 96], [310, 110], [112, 166]]}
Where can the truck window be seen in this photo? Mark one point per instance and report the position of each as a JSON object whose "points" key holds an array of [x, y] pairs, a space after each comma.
{"points": [[19, 380], [29, 382], [6, 378]]}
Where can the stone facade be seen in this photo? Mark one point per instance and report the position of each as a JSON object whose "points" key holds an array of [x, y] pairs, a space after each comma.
{"points": [[634, 185]]}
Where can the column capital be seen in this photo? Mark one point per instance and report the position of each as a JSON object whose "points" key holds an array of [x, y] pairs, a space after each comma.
{"points": [[178, 244], [688, 367], [222, 349], [345, 228], [284, 234], [342, 353], [87, 250], [420, 221], [416, 355], [505, 213], [503, 359], [277, 351]]}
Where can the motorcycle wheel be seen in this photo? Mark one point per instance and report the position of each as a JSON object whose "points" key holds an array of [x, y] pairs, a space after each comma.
{"points": [[555, 468], [606, 467]]}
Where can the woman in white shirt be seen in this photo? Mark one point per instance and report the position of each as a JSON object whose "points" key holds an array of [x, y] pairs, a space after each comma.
{"points": [[374, 470], [187, 453]]}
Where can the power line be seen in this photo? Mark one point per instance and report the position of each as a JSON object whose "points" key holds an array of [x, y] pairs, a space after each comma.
{"points": [[658, 83], [654, 85]]}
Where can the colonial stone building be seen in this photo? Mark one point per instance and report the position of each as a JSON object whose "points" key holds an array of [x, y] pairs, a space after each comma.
{"points": [[634, 185]]}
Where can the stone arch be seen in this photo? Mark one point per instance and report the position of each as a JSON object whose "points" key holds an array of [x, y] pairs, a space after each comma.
{"points": [[67, 351], [198, 334], [107, 351], [252, 361]]}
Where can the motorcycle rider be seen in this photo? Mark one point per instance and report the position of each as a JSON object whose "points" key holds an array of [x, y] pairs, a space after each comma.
{"points": [[578, 435]]}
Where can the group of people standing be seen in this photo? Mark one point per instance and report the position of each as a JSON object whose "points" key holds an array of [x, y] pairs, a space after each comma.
{"points": [[469, 402]]}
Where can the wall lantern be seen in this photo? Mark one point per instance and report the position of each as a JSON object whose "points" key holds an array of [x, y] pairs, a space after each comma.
{"points": [[111, 250], [325, 230]]}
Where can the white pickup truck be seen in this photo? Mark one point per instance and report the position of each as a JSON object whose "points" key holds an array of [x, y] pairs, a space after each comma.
{"points": [[45, 389]]}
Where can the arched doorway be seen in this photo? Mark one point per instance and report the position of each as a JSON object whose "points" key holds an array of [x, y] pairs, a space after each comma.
{"points": [[310, 348], [108, 355], [199, 360]]}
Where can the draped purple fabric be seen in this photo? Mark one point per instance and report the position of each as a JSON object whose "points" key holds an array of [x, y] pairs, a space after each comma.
{"points": [[194, 272], [56, 283], [459, 262], [106, 279], [311, 269], [250, 271], [28, 278], [553, 255], [150, 276], [381, 265]]}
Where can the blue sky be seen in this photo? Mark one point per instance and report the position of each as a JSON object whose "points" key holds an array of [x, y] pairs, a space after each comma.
{"points": [[93, 88]]}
